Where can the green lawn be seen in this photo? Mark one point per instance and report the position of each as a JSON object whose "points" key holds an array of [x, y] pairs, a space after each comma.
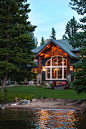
{"points": [[34, 92]]}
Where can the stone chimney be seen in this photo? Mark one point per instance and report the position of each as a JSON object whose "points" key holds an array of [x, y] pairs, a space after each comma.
{"points": [[47, 40]]}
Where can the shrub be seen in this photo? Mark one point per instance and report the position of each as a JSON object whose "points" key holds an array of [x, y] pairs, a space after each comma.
{"points": [[10, 96]]}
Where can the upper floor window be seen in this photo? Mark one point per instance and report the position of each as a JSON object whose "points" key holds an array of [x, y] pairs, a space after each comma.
{"points": [[56, 61], [48, 63], [56, 68]]}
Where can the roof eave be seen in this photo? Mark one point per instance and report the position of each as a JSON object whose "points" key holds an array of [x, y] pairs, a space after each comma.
{"points": [[43, 48], [63, 49], [52, 40]]}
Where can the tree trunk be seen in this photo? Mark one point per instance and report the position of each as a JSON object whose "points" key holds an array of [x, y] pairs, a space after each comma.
{"points": [[4, 83], [6, 59]]}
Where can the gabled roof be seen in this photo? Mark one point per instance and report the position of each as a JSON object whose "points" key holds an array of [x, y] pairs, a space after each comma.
{"points": [[62, 44]]}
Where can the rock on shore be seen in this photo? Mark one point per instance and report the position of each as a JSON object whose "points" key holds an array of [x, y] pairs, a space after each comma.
{"points": [[48, 103]]}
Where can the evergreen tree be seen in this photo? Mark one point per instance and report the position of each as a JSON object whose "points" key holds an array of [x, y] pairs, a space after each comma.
{"points": [[64, 36], [36, 42], [53, 34], [71, 30], [15, 41], [80, 74], [42, 41]]}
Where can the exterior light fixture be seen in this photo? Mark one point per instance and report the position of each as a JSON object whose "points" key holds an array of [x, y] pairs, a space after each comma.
{"points": [[44, 69]]}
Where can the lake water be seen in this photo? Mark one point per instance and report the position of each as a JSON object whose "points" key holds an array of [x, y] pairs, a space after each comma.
{"points": [[42, 119]]}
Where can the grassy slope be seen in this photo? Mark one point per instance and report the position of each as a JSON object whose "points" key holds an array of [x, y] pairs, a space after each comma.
{"points": [[44, 92]]}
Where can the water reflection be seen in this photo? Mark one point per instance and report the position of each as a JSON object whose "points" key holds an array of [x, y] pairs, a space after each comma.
{"points": [[56, 118], [42, 119]]}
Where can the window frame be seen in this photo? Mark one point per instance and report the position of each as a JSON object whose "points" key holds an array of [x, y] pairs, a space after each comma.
{"points": [[51, 68]]}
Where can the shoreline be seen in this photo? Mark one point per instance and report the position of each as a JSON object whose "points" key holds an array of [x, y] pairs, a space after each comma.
{"points": [[48, 103], [36, 107]]}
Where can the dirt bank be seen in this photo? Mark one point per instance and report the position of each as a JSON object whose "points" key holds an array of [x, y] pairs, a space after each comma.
{"points": [[49, 103]]}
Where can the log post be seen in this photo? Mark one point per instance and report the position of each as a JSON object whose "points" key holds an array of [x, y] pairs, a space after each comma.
{"points": [[68, 64], [68, 70], [39, 65]]}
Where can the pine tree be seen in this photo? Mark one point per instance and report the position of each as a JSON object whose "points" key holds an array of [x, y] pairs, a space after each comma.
{"points": [[15, 42], [71, 30], [80, 74], [42, 41], [34, 40], [53, 34], [64, 36]]}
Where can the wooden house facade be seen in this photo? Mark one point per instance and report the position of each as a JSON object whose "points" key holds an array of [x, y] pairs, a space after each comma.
{"points": [[55, 60]]}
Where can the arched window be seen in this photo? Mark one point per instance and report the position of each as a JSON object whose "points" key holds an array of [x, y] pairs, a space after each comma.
{"points": [[48, 63], [56, 68]]}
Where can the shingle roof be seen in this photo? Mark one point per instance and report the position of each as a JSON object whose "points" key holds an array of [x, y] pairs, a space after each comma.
{"points": [[76, 62], [63, 45]]}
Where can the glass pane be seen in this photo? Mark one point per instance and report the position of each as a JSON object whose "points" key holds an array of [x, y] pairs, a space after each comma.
{"points": [[65, 72], [54, 61], [48, 72], [48, 63], [59, 72], [54, 70], [59, 60], [71, 68], [65, 62]]}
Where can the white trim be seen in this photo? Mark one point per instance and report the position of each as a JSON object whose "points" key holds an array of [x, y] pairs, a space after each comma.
{"points": [[56, 79], [50, 67], [50, 74]]}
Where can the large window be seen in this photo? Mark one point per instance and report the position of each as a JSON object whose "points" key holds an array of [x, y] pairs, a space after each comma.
{"points": [[48, 72], [56, 68], [54, 72], [59, 72], [48, 63], [65, 72]]}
